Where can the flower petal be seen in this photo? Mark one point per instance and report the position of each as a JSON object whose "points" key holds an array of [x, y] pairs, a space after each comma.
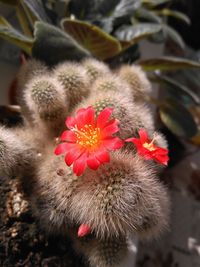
{"points": [[89, 116], [143, 136], [103, 117], [80, 164], [110, 129], [135, 141], [163, 159], [68, 136], [72, 155], [112, 143], [70, 122], [63, 148], [83, 230], [102, 155], [80, 118], [93, 162]]}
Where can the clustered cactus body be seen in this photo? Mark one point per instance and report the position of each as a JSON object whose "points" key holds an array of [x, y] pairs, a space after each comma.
{"points": [[123, 197]]}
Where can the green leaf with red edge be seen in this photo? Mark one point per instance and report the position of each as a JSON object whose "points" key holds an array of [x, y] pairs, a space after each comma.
{"points": [[99, 43], [167, 64], [177, 118]]}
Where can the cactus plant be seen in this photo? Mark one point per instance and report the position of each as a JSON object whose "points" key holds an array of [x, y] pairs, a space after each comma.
{"points": [[75, 81], [136, 78], [122, 197]]}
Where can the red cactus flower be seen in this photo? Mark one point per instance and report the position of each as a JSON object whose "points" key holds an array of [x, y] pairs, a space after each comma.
{"points": [[148, 149], [89, 139], [84, 230]]}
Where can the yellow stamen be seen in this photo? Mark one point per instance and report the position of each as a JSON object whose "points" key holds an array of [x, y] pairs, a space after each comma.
{"points": [[150, 146], [88, 136]]}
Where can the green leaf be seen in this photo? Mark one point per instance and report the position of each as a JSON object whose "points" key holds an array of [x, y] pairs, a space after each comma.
{"points": [[126, 7], [23, 20], [4, 22], [36, 10], [178, 91], [168, 64], [147, 15], [173, 13], [52, 45], [92, 38], [15, 37], [10, 2], [177, 119], [173, 35], [154, 3], [135, 33]]}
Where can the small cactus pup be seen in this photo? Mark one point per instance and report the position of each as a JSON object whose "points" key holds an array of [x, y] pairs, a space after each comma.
{"points": [[95, 69], [17, 156], [74, 79], [136, 78], [110, 83], [46, 100], [117, 252], [30, 69]]}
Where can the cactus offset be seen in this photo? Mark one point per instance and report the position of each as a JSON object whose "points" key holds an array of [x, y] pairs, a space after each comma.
{"points": [[74, 79], [47, 102], [137, 80], [95, 69]]}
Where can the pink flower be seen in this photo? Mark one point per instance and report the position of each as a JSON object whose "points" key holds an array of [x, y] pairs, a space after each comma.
{"points": [[83, 230], [148, 149], [89, 139]]}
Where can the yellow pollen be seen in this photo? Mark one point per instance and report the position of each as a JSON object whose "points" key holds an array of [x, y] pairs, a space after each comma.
{"points": [[88, 136], [150, 146]]}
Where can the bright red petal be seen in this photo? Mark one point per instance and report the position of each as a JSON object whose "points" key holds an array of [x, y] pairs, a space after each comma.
{"points": [[70, 122], [135, 141], [162, 158], [72, 155], [161, 151], [83, 230], [112, 143], [80, 118], [93, 162], [80, 164], [89, 116], [103, 117], [102, 155], [68, 136], [110, 129], [63, 148], [143, 136]]}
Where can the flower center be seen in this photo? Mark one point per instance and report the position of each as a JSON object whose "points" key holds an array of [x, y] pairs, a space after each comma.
{"points": [[88, 136], [149, 146]]}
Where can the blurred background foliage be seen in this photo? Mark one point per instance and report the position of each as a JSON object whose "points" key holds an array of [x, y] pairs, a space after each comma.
{"points": [[111, 30]]}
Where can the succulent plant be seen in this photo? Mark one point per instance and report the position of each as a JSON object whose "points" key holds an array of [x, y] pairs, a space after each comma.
{"points": [[75, 81], [122, 197]]}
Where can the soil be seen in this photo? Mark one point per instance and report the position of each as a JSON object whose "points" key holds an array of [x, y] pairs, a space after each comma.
{"points": [[22, 243]]}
